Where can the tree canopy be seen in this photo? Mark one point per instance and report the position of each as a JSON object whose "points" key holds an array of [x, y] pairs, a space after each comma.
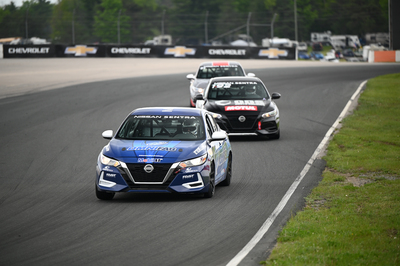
{"points": [[189, 21]]}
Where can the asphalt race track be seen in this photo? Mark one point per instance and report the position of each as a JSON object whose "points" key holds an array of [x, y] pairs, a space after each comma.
{"points": [[50, 140]]}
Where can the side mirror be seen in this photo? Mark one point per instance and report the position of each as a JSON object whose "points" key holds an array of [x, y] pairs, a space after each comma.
{"points": [[199, 97], [190, 76], [275, 95], [218, 135], [251, 74], [108, 134]]}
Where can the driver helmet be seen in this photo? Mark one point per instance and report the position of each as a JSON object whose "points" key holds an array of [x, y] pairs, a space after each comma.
{"points": [[189, 126], [250, 90]]}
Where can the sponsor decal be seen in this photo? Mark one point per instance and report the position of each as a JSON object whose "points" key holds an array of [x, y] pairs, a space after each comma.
{"points": [[130, 50], [228, 84], [272, 53], [149, 160], [29, 50], [80, 50], [240, 102], [189, 170], [111, 175], [165, 116], [227, 52], [198, 150], [107, 147], [157, 143], [249, 102], [180, 51], [241, 108], [187, 176], [108, 168], [150, 149], [148, 168]]}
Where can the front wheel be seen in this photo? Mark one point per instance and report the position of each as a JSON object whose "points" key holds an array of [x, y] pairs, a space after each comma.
{"points": [[228, 176], [104, 195], [211, 190]]}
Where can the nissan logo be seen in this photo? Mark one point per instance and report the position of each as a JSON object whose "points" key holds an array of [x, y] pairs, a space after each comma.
{"points": [[148, 168], [242, 118]]}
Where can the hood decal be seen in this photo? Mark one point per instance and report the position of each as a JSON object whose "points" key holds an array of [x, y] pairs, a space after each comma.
{"points": [[241, 108], [241, 102], [160, 149]]}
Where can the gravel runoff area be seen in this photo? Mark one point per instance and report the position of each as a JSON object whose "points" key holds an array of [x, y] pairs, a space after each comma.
{"points": [[22, 76]]}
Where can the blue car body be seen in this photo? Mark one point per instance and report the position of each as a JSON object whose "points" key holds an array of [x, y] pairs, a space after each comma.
{"points": [[303, 55], [164, 150], [316, 55]]}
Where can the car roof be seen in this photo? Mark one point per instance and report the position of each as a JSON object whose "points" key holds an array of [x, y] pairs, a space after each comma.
{"points": [[235, 78], [220, 63], [168, 111]]}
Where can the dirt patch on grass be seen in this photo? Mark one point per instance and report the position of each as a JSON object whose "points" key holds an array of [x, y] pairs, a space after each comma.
{"points": [[358, 182]]}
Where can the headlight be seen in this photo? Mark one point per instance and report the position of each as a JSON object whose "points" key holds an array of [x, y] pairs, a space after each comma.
{"points": [[216, 116], [108, 161], [194, 162], [270, 114], [199, 90]]}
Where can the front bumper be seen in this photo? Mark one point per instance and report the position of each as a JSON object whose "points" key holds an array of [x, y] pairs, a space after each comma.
{"points": [[167, 178], [268, 126]]}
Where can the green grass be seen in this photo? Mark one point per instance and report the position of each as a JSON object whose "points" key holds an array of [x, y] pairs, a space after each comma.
{"points": [[353, 216]]}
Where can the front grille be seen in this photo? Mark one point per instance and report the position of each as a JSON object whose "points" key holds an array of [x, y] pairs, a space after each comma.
{"points": [[249, 123], [157, 175], [163, 169]]}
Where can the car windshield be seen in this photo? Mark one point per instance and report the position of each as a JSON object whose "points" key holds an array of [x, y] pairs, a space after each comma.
{"points": [[232, 90], [156, 127], [208, 72]]}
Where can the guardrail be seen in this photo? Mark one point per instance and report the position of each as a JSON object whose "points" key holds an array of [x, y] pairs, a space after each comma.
{"points": [[234, 52]]}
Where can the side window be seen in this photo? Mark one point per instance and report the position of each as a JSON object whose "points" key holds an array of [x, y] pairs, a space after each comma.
{"points": [[211, 122], [210, 128]]}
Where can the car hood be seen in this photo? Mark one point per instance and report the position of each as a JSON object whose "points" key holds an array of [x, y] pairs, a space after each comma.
{"points": [[154, 151], [226, 106]]}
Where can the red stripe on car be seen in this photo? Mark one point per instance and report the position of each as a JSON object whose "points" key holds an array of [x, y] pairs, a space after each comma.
{"points": [[220, 64]]}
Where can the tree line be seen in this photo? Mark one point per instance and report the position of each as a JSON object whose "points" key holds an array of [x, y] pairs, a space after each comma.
{"points": [[189, 21]]}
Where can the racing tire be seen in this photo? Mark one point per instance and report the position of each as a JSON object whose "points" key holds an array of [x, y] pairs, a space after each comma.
{"points": [[104, 195], [211, 190], [228, 176]]}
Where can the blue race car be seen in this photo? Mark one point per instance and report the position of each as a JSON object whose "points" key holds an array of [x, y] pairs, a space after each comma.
{"points": [[165, 150]]}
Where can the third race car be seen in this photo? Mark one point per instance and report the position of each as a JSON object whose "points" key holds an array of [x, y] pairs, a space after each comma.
{"points": [[246, 106], [208, 70]]}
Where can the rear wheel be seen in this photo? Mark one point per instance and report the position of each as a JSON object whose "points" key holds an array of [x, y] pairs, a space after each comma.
{"points": [[211, 190], [104, 195], [228, 177]]}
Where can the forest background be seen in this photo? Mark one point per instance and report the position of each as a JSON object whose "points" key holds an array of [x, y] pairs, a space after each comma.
{"points": [[189, 22]]}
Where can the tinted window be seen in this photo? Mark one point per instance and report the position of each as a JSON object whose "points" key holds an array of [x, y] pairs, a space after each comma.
{"points": [[219, 71], [237, 90], [162, 127]]}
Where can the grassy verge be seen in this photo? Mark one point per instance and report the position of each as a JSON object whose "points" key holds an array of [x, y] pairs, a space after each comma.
{"points": [[353, 216]]}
